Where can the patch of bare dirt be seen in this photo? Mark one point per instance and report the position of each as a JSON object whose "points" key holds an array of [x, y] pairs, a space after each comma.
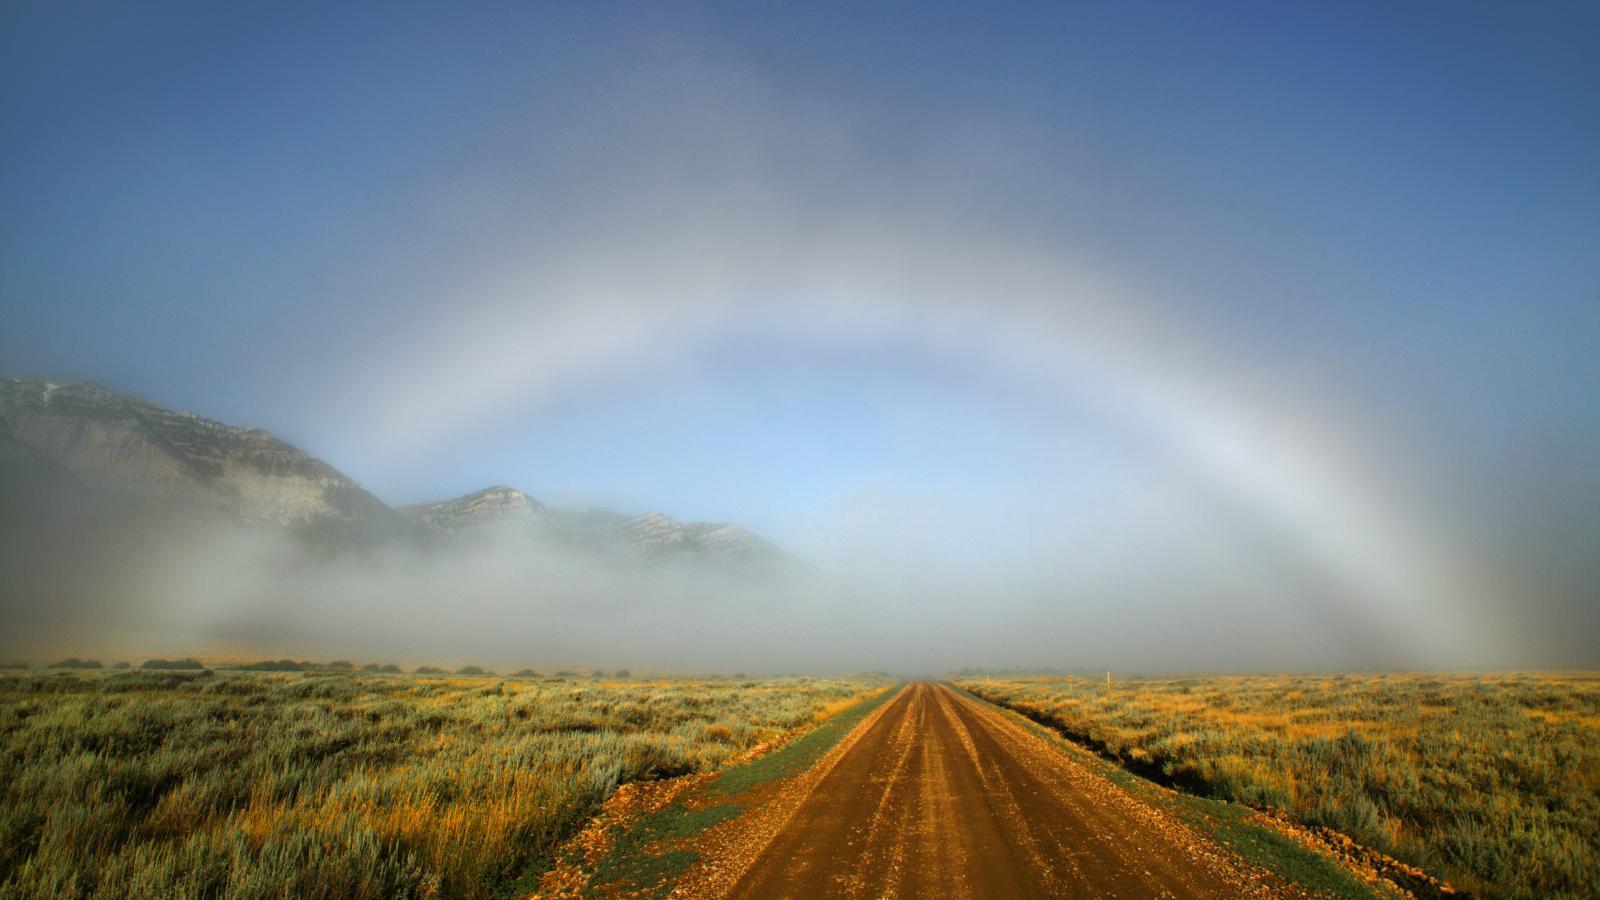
{"points": [[577, 858]]}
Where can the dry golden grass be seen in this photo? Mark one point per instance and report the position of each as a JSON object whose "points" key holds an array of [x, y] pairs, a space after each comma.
{"points": [[1492, 781], [146, 784]]}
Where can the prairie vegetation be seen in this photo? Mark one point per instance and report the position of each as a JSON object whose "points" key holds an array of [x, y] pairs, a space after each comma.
{"points": [[187, 663], [318, 784], [1492, 782]]}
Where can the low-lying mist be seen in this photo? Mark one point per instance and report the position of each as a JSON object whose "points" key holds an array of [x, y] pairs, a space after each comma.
{"points": [[128, 582]]}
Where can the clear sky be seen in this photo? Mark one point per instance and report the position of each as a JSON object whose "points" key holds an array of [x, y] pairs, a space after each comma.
{"points": [[1296, 301]]}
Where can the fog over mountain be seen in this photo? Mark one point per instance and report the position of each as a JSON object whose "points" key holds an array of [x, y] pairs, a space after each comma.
{"points": [[131, 448], [1140, 335], [126, 518]]}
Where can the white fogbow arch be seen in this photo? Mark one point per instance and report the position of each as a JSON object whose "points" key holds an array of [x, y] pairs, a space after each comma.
{"points": [[987, 303]]}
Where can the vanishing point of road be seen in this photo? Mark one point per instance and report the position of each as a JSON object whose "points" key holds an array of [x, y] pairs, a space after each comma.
{"points": [[940, 795]]}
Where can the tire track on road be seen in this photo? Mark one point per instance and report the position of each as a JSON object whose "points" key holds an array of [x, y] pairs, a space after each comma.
{"points": [[945, 796]]}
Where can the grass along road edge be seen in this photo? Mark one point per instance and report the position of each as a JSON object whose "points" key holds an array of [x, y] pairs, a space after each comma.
{"points": [[1328, 865], [643, 840]]}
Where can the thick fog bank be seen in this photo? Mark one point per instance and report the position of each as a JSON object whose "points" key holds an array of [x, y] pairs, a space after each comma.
{"points": [[121, 586]]}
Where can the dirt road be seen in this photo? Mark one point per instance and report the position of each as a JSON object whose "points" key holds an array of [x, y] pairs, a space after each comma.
{"points": [[943, 796]]}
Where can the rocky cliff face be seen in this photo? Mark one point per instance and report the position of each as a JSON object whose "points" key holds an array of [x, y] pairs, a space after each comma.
{"points": [[653, 538], [657, 537], [126, 446], [486, 507]]}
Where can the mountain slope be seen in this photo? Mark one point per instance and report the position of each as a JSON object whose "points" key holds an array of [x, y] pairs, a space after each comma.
{"points": [[127, 446], [490, 505], [657, 537], [652, 538]]}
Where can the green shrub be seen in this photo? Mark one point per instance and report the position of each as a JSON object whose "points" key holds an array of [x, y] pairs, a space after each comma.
{"points": [[188, 662], [272, 665]]}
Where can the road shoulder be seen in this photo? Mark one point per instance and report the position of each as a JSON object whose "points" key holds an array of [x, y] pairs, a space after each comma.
{"points": [[694, 836], [1239, 829]]}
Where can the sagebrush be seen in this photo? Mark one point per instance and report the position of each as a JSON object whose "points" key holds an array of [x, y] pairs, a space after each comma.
{"points": [[207, 784], [1492, 781]]}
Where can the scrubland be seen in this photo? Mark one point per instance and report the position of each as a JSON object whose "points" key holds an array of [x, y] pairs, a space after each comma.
{"points": [[338, 784], [1490, 781]]}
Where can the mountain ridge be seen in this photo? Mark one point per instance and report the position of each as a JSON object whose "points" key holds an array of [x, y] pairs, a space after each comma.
{"points": [[119, 443], [653, 537]]}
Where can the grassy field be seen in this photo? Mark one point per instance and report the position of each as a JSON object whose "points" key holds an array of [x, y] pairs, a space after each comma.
{"points": [[337, 784], [1492, 781]]}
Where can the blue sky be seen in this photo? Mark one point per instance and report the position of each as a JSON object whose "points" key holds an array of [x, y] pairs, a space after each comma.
{"points": [[851, 276]]}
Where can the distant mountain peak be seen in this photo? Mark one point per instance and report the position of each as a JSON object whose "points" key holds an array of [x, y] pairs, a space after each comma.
{"points": [[501, 495], [658, 537], [492, 504], [652, 538]]}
